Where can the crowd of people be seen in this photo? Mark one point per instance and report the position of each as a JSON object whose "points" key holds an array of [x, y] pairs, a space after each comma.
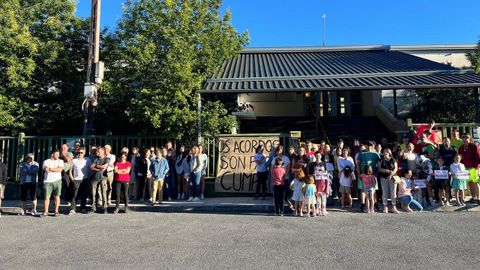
{"points": [[147, 175], [412, 174], [421, 171]]}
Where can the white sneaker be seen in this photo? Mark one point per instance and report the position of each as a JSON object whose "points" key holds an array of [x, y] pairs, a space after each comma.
{"points": [[202, 197], [72, 212], [22, 213], [447, 203], [34, 212], [196, 199], [190, 199]]}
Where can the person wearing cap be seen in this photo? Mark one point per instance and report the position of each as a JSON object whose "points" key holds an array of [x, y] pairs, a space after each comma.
{"points": [[28, 176], [3, 180]]}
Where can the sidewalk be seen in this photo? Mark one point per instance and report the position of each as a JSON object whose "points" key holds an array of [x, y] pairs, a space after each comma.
{"points": [[223, 205]]}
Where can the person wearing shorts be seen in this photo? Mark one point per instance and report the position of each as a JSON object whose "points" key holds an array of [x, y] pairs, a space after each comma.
{"points": [[471, 159], [28, 176], [52, 182]]}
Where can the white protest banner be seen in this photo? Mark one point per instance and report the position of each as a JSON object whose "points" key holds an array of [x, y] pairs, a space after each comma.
{"points": [[420, 183], [464, 175], [236, 169], [440, 174]]}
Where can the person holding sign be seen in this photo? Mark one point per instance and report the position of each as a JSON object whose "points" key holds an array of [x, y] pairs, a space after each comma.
{"points": [[459, 182], [471, 159], [405, 197], [441, 182], [322, 182]]}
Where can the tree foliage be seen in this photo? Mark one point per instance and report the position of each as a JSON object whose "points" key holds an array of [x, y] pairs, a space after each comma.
{"points": [[448, 105], [159, 56], [42, 65]]}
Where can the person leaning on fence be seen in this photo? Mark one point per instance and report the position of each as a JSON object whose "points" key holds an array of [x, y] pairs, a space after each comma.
{"points": [[79, 174], [52, 183], [111, 164], [28, 177], [99, 180], [3, 180]]}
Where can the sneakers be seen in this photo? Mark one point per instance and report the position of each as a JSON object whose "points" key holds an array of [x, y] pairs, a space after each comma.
{"points": [[458, 203], [394, 210], [116, 210], [57, 214], [385, 210], [72, 212], [190, 199], [34, 212], [94, 209], [22, 213], [447, 203], [196, 199], [202, 197]]}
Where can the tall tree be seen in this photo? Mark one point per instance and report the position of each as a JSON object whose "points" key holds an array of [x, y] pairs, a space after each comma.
{"points": [[42, 66], [474, 58], [158, 58]]}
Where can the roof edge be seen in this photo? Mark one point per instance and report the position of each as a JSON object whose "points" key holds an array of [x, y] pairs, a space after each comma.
{"points": [[316, 49]]}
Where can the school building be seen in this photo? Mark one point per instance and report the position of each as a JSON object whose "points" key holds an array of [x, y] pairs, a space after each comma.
{"points": [[337, 91]]}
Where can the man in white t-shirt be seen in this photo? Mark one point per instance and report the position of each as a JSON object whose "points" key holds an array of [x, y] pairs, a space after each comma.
{"points": [[52, 183], [79, 173], [111, 166]]}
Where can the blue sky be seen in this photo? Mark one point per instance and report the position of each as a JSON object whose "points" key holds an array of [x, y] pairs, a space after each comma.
{"points": [[273, 23]]}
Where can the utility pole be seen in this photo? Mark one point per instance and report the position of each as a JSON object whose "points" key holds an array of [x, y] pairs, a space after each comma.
{"points": [[94, 71], [324, 18]]}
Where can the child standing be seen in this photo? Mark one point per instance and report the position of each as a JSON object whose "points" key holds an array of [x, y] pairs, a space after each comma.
{"points": [[298, 187], [442, 185], [459, 185], [310, 199], [322, 182], [346, 178], [369, 181], [278, 179]]}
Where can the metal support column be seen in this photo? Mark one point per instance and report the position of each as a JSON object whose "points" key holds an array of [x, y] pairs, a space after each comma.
{"points": [[199, 118], [395, 105]]}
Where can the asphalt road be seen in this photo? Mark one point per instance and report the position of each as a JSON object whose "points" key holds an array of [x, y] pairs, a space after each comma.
{"points": [[429, 240]]}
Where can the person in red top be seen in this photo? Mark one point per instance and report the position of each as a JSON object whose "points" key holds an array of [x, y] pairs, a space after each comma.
{"points": [[422, 129], [471, 158], [122, 178], [278, 178]]}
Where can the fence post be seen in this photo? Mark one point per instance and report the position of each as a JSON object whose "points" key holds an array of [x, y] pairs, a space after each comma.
{"points": [[20, 150]]}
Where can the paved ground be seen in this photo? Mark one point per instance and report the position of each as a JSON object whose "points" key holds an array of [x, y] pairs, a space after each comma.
{"points": [[158, 240]]}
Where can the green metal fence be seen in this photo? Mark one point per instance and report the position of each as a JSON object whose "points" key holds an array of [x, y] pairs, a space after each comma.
{"points": [[14, 149]]}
